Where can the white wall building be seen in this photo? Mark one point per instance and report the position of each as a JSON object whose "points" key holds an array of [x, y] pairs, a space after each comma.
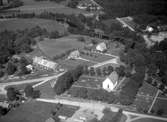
{"points": [[110, 82], [74, 55], [101, 47], [44, 63]]}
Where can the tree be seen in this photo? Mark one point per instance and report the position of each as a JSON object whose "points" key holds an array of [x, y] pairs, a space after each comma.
{"points": [[110, 69], [104, 71], [54, 34], [11, 68], [1, 73], [77, 72], [1, 2], [3, 111], [29, 91], [160, 112], [11, 94], [73, 3], [120, 70], [64, 82], [98, 72]]}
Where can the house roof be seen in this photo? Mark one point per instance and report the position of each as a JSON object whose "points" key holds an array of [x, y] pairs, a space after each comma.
{"points": [[113, 77]]}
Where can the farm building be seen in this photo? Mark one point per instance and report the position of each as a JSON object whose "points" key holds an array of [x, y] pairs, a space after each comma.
{"points": [[101, 47], [74, 55], [44, 64], [110, 82]]}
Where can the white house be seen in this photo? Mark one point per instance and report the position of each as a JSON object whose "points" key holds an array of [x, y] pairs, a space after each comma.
{"points": [[101, 47], [110, 82], [44, 63], [74, 55]]}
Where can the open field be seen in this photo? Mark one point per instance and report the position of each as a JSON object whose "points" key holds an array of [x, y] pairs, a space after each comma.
{"points": [[52, 47], [36, 112], [46, 90], [70, 64], [21, 24], [38, 7], [145, 97], [90, 82]]}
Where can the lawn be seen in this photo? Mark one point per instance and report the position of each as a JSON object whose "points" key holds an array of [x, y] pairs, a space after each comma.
{"points": [[53, 47], [34, 111], [21, 24]]}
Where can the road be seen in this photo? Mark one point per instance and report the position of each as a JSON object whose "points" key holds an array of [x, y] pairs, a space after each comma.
{"points": [[98, 105], [43, 80], [113, 61]]}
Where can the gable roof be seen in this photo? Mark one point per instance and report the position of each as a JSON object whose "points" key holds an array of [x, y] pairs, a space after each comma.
{"points": [[113, 77]]}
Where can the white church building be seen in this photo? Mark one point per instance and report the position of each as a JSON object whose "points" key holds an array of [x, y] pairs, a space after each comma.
{"points": [[110, 82]]}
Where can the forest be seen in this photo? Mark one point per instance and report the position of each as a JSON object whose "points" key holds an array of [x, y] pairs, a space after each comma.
{"points": [[120, 8]]}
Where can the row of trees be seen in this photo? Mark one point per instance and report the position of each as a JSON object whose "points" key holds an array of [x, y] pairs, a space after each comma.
{"points": [[121, 8], [65, 81], [14, 95], [105, 71], [98, 95]]}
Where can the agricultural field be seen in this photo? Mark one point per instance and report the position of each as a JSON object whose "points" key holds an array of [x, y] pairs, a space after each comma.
{"points": [[145, 97], [21, 24], [98, 58], [39, 7], [90, 82], [160, 103], [34, 111], [53, 47]]}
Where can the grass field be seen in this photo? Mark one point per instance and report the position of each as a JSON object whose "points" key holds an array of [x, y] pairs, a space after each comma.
{"points": [[91, 82], [52, 47], [38, 7], [46, 90], [70, 64], [35, 112], [21, 24]]}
